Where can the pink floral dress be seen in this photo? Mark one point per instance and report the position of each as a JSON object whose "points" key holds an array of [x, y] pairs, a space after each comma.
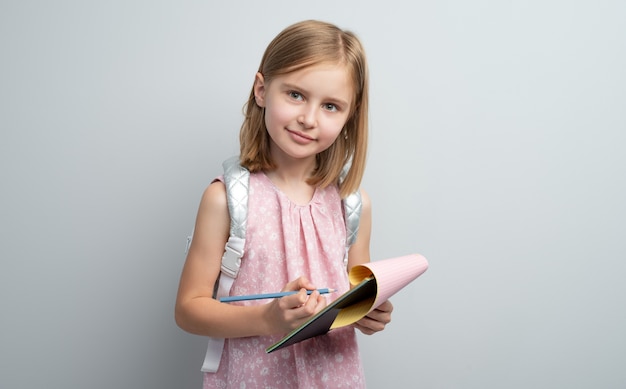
{"points": [[285, 241]]}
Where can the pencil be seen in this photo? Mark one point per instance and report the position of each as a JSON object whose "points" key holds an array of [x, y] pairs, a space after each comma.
{"points": [[269, 295]]}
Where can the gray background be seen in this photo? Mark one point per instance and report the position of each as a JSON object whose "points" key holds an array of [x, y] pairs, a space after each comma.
{"points": [[496, 151]]}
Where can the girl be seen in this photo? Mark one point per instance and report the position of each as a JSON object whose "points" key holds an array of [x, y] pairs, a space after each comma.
{"points": [[307, 117]]}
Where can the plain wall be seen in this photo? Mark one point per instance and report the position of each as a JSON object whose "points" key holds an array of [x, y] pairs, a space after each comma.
{"points": [[497, 137]]}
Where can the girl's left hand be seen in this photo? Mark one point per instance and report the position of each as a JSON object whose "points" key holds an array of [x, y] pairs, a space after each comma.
{"points": [[376, 320]]}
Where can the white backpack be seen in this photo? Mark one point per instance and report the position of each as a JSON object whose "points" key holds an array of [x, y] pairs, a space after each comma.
{"points": [[237, 180]]}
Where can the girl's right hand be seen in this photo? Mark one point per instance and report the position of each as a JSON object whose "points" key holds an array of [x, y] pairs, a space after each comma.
{"points": [[289, 312]]}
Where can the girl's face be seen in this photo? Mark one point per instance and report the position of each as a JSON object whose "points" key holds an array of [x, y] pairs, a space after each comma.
{"points": [[305, 110]]}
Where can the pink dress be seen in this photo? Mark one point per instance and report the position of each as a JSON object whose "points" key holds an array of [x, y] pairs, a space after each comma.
{"points": [[284, 241]]}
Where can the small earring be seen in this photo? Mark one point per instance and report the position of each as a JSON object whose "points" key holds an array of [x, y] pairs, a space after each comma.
{"points": [[345, 134]]}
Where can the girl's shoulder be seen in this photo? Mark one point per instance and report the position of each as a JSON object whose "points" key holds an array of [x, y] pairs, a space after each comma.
{"points": [[215, 196]]}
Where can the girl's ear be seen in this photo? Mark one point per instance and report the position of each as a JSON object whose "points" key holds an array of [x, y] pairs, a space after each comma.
{"points": [[259, 90]]}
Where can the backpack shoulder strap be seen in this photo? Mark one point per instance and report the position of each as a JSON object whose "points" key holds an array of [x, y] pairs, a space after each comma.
{"points": [[237, 182], [352, 207]]}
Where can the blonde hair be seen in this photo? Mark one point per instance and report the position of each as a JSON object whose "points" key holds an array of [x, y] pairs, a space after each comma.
{"points": [[299, 46]]}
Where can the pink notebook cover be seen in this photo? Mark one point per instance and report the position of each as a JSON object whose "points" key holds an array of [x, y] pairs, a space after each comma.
{"points": [[373, 283]]}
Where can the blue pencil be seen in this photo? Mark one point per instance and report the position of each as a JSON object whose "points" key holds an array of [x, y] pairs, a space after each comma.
{"points": [[269, 295]]}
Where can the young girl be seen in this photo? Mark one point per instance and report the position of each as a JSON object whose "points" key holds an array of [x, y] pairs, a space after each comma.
{"points": [[305, 120]]}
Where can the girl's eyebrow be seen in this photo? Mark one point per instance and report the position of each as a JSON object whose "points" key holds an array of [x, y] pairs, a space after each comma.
{"points": [[334, 100]]}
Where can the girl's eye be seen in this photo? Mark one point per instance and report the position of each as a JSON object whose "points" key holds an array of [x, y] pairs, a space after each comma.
{"points": [[330, 107], [295, 95]]}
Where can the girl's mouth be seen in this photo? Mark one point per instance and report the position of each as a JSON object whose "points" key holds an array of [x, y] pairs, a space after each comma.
{"points": [[300, 137]]}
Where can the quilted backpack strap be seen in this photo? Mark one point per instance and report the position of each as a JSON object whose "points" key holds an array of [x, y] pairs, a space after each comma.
{"points": [[352, 207], [237, 181]]}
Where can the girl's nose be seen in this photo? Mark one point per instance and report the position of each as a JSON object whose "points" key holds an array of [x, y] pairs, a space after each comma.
{"points": [[308, 118]]}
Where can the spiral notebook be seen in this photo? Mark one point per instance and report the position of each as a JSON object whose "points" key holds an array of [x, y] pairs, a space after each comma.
{"points": [[373, 283]]}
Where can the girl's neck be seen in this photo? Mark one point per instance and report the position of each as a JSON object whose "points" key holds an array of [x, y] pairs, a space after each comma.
{"points": [[290, 177], [290, 169]]}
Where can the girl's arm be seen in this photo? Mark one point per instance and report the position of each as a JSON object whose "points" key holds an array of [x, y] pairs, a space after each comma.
{"points": [[360, 253], [197, 312]]}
